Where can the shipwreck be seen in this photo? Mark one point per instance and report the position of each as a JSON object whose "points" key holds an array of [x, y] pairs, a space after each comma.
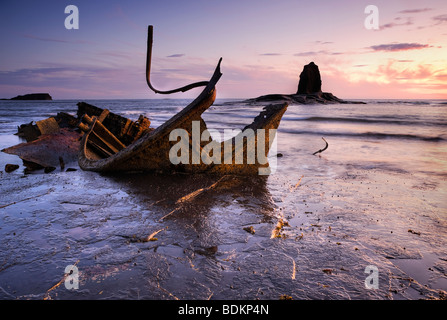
{"points": [[102, 141]]}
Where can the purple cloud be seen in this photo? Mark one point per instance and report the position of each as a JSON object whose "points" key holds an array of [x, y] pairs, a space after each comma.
{"points": [[323, 42], [270, 54], [399, 47], [177, 55], [30, 36], [314, 53], [396, 24], [416, 10], [67, 81], [306, 53], [440, 19]]}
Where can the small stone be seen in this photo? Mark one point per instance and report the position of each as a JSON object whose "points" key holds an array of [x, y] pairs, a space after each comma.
{"points": [[414, 232], [11, 167], [49, 169], [211, 250], [250, 229]]}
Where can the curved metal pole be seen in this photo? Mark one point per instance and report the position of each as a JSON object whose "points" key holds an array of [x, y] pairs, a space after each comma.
{"points": [[321, 150], [148, 69]]}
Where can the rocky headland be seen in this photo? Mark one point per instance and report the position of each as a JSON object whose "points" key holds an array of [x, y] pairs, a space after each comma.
{"points": [[33, 96]]}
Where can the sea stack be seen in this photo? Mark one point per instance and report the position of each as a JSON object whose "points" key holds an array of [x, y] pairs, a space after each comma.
{"points": [[309, 91], [310, 80]]}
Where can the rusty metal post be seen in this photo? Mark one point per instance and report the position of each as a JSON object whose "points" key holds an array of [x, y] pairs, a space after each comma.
{"points": [[148, 69]]}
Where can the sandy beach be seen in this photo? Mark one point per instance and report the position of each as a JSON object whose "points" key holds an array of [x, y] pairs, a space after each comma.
{"points": [[308, 231]]}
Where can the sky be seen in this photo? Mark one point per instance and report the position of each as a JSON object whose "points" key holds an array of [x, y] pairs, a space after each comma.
{"points": [[264, 46]]}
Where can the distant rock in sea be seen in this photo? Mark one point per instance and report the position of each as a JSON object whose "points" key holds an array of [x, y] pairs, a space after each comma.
{"points": [[309, 91], [33, 96]]}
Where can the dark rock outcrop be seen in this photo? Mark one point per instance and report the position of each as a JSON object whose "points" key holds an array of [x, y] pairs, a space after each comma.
{"points": [[309, 91], [310, 80], [33, 96]]}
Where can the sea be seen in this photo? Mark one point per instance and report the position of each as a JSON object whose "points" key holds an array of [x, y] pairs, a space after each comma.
{"points": [[364, 219]]}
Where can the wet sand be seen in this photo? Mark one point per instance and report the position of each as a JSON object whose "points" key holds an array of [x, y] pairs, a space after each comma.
{"points": [[203, 249]]}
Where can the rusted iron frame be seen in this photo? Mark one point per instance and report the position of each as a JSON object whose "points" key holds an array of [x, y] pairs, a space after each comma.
{"points": [[148, 69]]}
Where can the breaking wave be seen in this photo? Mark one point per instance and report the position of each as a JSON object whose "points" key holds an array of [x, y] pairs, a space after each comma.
{"points": [[369, 135], [390, 120]]}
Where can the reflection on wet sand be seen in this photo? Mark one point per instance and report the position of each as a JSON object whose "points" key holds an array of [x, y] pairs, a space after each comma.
{"points": [[201, 237], [187, 200]]}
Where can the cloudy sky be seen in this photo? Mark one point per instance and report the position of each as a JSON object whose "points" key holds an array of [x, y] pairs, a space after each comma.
{"points": [[264, 45]]}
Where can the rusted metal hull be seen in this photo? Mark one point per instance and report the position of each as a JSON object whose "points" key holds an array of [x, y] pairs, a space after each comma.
{"points": [[151, 152], [49, 150]]}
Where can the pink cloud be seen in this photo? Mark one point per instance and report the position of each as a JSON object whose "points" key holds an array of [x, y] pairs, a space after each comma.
{"points": [[392, 73]]}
